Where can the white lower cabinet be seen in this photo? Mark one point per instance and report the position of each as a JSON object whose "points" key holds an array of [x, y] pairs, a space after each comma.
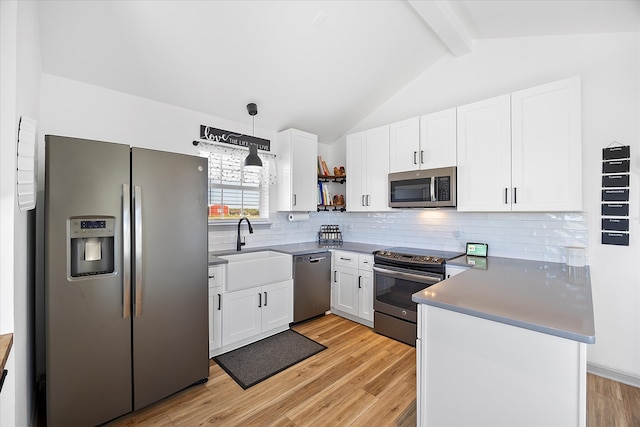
{"points": [[215, 319], [352, 286], [252, 312], [216, 282], [502, 374]]}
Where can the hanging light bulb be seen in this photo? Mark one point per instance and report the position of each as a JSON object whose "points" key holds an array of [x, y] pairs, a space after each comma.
{"points": [[253, 161]]}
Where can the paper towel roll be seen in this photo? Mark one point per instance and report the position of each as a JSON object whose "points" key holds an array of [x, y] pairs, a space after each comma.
{"points": [[298, 216]]}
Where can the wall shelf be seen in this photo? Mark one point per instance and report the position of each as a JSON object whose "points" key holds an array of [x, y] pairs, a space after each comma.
{"points": [[340, 179], [328, 208]]}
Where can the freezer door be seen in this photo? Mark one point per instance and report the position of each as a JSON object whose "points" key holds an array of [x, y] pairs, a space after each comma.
{"points": [[170, 331], [88, 336]]}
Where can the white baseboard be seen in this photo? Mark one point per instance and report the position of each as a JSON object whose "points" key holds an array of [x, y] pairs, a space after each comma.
{"points": [[613, 374]]}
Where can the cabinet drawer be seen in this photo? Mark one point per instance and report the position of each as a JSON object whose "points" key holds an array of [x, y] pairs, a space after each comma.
{"points": [[216, 276], [365, 262], [346, 259]]}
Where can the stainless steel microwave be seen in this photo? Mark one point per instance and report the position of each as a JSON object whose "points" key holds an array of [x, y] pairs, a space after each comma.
{"points": [[429, 188]]}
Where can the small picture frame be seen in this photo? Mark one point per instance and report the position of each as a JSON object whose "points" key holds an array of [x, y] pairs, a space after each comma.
{"points": [[477, 249]]}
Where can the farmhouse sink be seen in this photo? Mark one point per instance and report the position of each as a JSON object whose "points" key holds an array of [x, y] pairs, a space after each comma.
{"points": [[251, 269]]}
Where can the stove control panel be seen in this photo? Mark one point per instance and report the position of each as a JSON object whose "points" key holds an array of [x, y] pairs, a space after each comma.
{"points": [[416, 259]]}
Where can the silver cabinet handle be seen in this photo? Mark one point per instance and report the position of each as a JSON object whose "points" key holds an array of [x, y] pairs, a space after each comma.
{"points": [[359, 282], [335, 279], [515, 195], [505, 195], [259, 299], [219, 302], [422, 156], [137, 214], [213, 276], [126, 251], [295, 200], [363, 200], [265, 298], [345, 259], [368, 200], [415, 153]]}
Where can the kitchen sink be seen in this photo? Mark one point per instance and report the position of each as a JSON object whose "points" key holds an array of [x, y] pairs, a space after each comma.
{"points": [[251, 269]]}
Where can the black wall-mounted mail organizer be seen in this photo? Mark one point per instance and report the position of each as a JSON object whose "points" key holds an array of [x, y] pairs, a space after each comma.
{"points": [[616, 164]]}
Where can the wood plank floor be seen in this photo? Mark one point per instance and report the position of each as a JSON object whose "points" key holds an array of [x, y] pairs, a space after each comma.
{"points": [[361, 379]]}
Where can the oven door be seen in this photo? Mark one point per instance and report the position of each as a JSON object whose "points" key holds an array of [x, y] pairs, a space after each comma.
{"points": [[394, 287]]}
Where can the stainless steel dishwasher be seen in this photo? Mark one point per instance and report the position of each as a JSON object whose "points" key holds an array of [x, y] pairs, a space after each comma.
{"points": [[311, 285]]}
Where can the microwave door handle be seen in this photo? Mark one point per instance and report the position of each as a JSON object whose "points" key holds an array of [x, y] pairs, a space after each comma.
{"points": [[433, 189]]}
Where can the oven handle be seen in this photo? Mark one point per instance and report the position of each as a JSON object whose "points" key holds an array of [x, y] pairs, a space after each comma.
{"points": [[416, 277]]}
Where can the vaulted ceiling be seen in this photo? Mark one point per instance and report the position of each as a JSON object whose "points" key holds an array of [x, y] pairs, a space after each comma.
{"points": [[320, 66]]}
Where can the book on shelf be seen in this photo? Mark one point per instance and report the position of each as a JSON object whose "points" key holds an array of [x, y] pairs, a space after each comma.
{"points": [[324, 195], [322, 167]]}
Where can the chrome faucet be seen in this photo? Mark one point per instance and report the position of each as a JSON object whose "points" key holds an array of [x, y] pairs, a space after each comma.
{"points": [[240, 243]]}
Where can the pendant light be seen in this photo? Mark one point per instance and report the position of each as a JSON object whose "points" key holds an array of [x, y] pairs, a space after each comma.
{"points": [[253, 161]]}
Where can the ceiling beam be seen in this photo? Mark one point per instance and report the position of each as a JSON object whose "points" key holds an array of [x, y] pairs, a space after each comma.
{"points": [[445, 23]]}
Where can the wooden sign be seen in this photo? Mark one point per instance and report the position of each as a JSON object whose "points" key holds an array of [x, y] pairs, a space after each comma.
{"points": [[226, 137]]}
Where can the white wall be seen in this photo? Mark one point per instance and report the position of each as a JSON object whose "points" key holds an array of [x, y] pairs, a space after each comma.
{"points": [[609, 66], [19, 83]]}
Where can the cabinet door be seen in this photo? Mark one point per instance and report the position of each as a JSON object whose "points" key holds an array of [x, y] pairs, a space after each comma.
{"points": [[356, 170], [304, 170], [215, 318], [365, 294], [546, 147], [377, 170], [346, 290], [277, 305], [297, 170], [484, 155], [404, 145], [241, 315], [438, 140]]}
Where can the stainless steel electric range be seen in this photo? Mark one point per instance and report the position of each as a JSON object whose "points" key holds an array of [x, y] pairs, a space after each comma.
{"points": [[399, 273]]}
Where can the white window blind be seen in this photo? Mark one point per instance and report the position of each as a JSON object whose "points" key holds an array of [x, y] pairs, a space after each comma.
{"points": [[233, 191]]}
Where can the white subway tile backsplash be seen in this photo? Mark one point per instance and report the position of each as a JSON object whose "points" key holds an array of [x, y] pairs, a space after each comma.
{"points": [[529, 235]]}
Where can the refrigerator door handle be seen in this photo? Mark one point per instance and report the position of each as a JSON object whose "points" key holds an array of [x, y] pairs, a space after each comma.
{"points": [[137, 215], [126, 251]]}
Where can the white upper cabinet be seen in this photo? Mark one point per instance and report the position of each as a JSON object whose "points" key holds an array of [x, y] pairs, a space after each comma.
{"points": [[484, 155], [404, 145], [367, 170], [523, 151], [438, 139], [425, 142], [297, 171], [546, 146]]}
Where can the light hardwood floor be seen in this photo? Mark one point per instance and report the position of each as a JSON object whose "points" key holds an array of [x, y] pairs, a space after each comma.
{"points": [[361, 379]]}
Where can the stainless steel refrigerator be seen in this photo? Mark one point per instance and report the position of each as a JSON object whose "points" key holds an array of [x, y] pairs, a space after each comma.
{"points": [[125, 278]]}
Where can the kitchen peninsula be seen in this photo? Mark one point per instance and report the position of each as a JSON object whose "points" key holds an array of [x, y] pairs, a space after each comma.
{"points": [[504, 344]]}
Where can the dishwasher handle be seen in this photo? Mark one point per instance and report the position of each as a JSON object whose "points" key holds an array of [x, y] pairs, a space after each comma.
{"points": [[314, 260]]}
